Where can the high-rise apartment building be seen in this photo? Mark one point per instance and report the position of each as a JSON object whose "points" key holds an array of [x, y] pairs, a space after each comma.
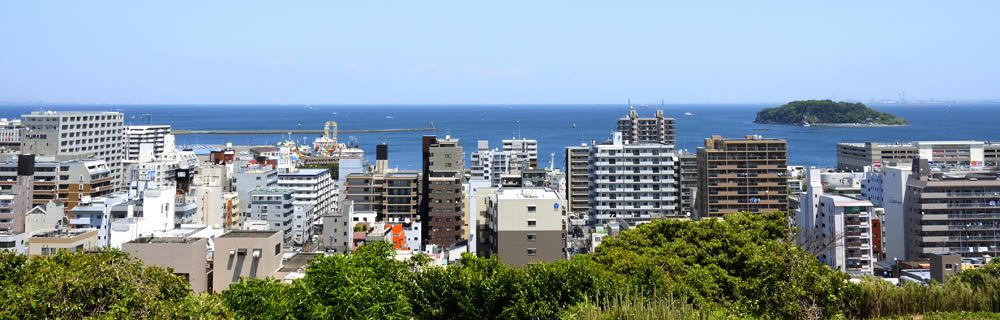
{"points": [[393, 196], [525, 225], [836, 228], [856, 156], [886, 188], [736, 175], [522, 151], [687, 182], [312, 188], [632, 183], [249, 179], [577, 177], [136, 136], [647, 130], [70, 181], [77, 135], [441, 206], [275, 207], [491, 165], [951, 211]]}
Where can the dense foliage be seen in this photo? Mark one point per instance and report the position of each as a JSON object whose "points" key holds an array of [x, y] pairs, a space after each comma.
{"points": [[825, 112], [108, 285], [742, 267]]}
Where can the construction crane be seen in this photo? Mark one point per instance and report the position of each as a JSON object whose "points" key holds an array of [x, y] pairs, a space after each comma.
{"points": [[327, 145], [326, 131]]}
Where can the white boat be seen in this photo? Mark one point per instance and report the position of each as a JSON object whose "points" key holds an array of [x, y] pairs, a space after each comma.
{"points": [[688, 114], [805, 124]]}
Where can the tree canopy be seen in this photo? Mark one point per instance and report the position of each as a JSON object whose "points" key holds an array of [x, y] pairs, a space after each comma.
{"points": [[825, 112]]}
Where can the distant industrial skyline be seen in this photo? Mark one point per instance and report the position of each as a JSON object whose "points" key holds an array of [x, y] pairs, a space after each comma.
{"points": [[246, 52]]}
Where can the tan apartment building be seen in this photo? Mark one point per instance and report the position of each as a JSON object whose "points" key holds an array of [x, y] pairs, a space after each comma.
{"points": [[577, 173], [525, 225], [393, 196], [187, 256], [856, 156], [72, 240], [736, 175]]}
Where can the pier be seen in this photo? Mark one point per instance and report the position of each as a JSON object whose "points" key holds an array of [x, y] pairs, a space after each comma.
{"points": [[180, 132]]}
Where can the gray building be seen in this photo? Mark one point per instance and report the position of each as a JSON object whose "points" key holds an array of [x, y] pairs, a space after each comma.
{"points": [[951, 211], [186, 256], [250, 179], [77, 135], [647, 130], [687, 182], [241, 253], [275, 206]]}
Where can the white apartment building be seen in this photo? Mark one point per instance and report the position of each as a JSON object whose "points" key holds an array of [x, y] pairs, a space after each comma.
{"points": [[887, 189], [523, 151], [836, 228], [632, 184], [77, 135], [138, 135], [486, 164], [525, 225], [313, 188]]}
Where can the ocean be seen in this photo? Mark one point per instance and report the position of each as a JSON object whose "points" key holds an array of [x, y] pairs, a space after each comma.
{"points": [[551, 125]]}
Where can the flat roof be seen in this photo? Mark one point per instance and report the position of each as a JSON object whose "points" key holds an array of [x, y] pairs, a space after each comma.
{"points": [[527, 193], [249, 234], [298, 261], [178, 240], [304, 172], [844, 201]]}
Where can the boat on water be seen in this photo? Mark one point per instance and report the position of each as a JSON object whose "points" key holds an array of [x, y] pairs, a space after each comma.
{"points": [[644, 106], [806, 124], [688, 114]]}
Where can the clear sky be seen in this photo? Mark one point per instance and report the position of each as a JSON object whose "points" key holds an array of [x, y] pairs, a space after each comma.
{"points": [[495, 52]]}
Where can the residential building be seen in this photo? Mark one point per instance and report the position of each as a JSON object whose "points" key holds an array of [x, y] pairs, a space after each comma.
{"points": [[855, 156], [441, 207], [243, 253], [577, 177], [275, 206], [657, 129], [71, 181], [313, 188], [523, 152], [393, 196], [490, 164], [139, 135], [886, 188], [185, 256], [836, 228], [77, 135], [686, 171], [632, 183], [338, 229], [525, 225], [736, 175], [72, 240], [951, 211], [249, 179]]}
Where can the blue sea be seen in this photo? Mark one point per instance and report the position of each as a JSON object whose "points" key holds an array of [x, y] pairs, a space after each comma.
{"points": [[551, 125]]}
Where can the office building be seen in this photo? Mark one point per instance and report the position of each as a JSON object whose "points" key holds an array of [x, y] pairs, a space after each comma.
{"points": [[525, 225], [736, 175], [139, 135], [647, 130], [951, 211], [836, 228], [243, 253], [77, 135], [441, 203], [857, 156], [632, 183], [577, 177]]}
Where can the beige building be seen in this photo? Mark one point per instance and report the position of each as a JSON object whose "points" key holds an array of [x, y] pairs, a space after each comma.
{"points": [[736, 175], [72, 240], [525, 225], [242, 253], [188, 257], [856, 156], [647, 130]]}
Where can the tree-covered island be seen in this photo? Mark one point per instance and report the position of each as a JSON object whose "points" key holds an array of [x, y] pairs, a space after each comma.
{"points": [[827, 112]]}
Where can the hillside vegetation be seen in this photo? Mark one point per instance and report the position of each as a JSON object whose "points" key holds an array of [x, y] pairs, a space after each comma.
{"points": [[743, 267], [826, 112]]}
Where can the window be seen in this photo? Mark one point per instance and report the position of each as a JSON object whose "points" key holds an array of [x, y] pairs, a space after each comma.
{"points": [[532, 237], [948, 266], [531, 209], [277, 249], [532, 223], [532, 252]]}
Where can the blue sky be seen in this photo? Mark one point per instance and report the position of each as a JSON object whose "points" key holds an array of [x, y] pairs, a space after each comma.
{"points": [[502, 52]]}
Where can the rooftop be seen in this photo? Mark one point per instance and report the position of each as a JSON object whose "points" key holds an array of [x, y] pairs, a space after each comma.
{"points": [[249, 234], [527, 193], [305, 172], [844, 201], [63, 233], [177, 240], [298, 261]]}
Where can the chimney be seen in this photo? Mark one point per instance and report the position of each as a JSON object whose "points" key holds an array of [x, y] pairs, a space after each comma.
{"points": [[381, 158], [23, 191]]}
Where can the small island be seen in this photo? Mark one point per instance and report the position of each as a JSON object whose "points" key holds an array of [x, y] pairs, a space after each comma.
{"points": [[827, 113]]}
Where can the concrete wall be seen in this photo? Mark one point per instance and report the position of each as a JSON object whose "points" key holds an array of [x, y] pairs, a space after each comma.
{"points": [[187, 257], [234, 256]]}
